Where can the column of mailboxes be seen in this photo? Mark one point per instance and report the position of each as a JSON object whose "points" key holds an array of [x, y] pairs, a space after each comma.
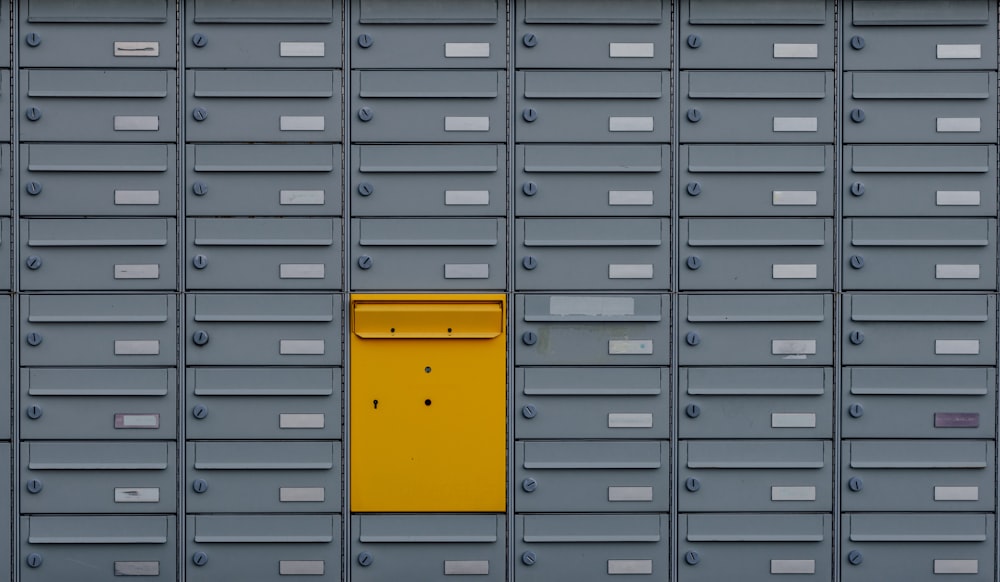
{"points": [[97, 264], [6, 304], [756, 204], [919, 275], [263, 340], [428, 118], [591, 267]]}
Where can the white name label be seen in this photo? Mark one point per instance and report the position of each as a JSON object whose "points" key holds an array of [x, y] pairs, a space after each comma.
{"points": [[137, 197], [301, 494], [137, 123], [956, 347], [793, 271], [630, 493], [137, 271], [466, 567], [796, 51], [959, 51], [302, 347], [302, 197], [302, 420], [467, 271], [302, 271], [302, 49], [466, 123], [630, 271], [137, 49], [793, 493], [137, 494], [956, 271], [630, 124], [956, 566], [630, 198], [630, 567], [301, 567], [957, 197], [793, 347], [956, 494], [630, 420], [466, 50], [793, 566], [631, 50], [793, 420], [637, 347], [793, 124], [137, 347], [302, 123], [466, 197], [793, 198], [958, 124]]}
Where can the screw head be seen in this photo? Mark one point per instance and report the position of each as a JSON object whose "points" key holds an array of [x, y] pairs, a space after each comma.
{"points": [[529, 262], [855, 484], [33, 113], [33, 262], [200, 337], [693, 41], [529, 114], [858, 189], [692, 558], [692, 410], [199, 485], [199, 262], [365, 559], [529, 40], [33, 339], [33, 39], [693, 188], [855, 558], [366, 114], [857, 337], [692, 338], [857, 262], [34, 560], [34, 486], [199, 558], [692, 484], [529, 338], [857, 115], [529, 558], [199, 40], [199, 411], [34, 412], [856, 410], [529, 188], [199, 188], [857, 42], [366, 188], [199, 114], [529, 484], [365, 40], [365, 262], [529, 411], [693, 263], [33, 188]]}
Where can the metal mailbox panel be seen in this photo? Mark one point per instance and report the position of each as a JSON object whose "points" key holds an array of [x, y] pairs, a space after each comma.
{"points": [[264, 403], [264, 253], [755, 547], [604, 34], [920, 180], [63, 105], [590, 403], [919, 330], [762, 253], [5, 506], [259, 105], [599, 476], [5, 246], [751, 475], [920, 253], [256, 330], [91, 254], [919, 547], [263, 547], [592, 253], [918, 475], [428, 106], [109, 546], [98, 403], [5, 99], [98, 330], [756, 330], [98, 477], [263, 476], [427, 547], [756, 403], [757, 180], [592, 106], [592, 180], [6, 162], [257, 33], [431, 254], [729, 34], [429, 180], [6, 362], [934, 35], [106, 33], [589, 330], [756, 106], [590, 547], [98, 179], [920, 107], [439, 35], [263, 180], [922, 402]]}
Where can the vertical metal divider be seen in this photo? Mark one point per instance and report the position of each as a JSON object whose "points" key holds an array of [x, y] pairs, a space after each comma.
{"points": [[674, 189], [510, 215], [838, 147], [12, 237], [345, 376], [996, 336], [181, 314]]}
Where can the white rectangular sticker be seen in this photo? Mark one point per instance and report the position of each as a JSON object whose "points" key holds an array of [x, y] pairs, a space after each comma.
{"points": [[793, 198], [959, 51], [796, 51], [793, 566], [630, 420], [466, 197], [630, 493], [302, 420], [630, 197], [137, 197], [630, 567], [137, 494], [466, 567], [630, 124], [956, 494], [137, 568], [143, 421], [301, 567], [301, 271], [630, 271], [631, 50], [302, 123], [793, 271], [137, 123], [466, 123], [956, 347], [302, 49], [137, 271], [592, 306], [956, 271], [466, 50], [958, 197], [302, 197], [302, 347], [793, 493], [956, 566], [137, 347], [793, 347], [301, 494], [959, 125], [137, 49], [793, 420], [635, 347], [795, 124], [467, 271]]}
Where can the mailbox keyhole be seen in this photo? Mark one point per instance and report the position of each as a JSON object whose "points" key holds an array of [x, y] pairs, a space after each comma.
{"points": [[375, 403], [427, 369], [427, 402]]}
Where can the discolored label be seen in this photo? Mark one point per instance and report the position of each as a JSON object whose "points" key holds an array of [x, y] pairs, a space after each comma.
{"points": [[956, 420]]}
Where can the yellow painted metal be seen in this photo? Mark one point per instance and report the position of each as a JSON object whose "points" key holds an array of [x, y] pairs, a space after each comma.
{"points": [[428, 403]]}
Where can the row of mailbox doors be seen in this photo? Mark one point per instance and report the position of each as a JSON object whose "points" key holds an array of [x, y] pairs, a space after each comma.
{"points": [[470, 180], [715, 33], [470, 106], [546, 547], [470, 253]]}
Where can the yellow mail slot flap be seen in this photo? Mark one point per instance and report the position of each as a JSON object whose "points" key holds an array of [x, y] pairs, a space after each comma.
{"points": [[427, 319]]}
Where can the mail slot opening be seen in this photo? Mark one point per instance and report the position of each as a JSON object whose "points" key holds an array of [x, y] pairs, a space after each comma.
{"points": [[428, 320]]}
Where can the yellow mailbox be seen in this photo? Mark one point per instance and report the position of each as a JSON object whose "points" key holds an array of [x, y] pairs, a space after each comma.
{"points": [[428, 403]]}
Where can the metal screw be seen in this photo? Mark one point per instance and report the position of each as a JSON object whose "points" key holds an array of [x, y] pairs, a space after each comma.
{"points": [[694, 115], [529, 484], [34, 412], [199, 40], [366, 188], [529, 188], [529, 338], [692, 338], [365, 40], [857, 261], [199, 188], [856, 410], [33, 188], [199, 114], [857, 115], [858, 188], [857, 42], [857, 337], [693, 41], [365, 559], [199, 485], [529, 262], [33, 338], [199, 558], [692, 410], [366, 114], [199, 261], [34, 560], [529, 411], [529, 40], [855, 484], [365, 262], [529, 114], [34, 486], [855, 558], [693, 263], [33, 262], [692, 558], [33, 113], [199, 411], [200, 337], [692, 484], [693, 188], [33, 39]]}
